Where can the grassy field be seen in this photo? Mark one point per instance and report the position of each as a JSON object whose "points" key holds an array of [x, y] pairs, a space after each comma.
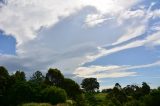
{"points": [[36, 104], [68, 103], [44, 104], [100, 96]]}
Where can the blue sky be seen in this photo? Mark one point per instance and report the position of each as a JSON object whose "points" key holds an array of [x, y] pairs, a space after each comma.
{"points": [[112, 40], [8, 44]]}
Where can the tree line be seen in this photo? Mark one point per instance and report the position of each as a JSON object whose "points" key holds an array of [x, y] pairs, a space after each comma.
{"points": [[54, 88]]}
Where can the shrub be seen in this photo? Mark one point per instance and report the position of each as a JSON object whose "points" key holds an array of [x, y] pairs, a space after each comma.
{"points": [[54, 95]]}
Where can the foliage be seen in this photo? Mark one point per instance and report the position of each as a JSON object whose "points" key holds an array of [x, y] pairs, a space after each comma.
{"points": [[54, 95], [81, 100], [153, 99], [54, 77], [90, 84], [145, 88], [72, 88], [19, 76], [132, 103], [54, 88], [91, 99], [36, 104], [4, 78], [20, 92], [37, 78]]}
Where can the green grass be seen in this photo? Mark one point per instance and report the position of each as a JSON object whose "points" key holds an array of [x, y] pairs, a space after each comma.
{"points": [[36, 104], [68, 103], [100, 96]]}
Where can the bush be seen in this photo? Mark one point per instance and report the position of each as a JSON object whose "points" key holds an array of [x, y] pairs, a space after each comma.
{"points": [[54, 95]]}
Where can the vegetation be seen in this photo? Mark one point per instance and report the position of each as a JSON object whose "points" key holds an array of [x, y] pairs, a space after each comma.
{"points": [[54, 89], [90, 84], [36, 104], [54, 95]]}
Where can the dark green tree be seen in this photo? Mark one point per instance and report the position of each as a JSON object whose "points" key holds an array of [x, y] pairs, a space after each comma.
{"points": [[20, 92], [145, 88], [118, 86], [19, 76], [90, 84], [72, 88], [133, 91], [4, 77], [37, 84], [118, 93], [129, 90], [152, 99], [37, 78], [54, 77]]}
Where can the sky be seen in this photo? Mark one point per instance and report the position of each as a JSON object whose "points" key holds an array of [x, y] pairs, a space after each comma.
{"points": [[111, 40]]}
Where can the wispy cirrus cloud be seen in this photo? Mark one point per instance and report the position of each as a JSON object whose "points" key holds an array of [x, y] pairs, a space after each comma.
{"points": [[151, 40], [132, 32], [111, 71]]}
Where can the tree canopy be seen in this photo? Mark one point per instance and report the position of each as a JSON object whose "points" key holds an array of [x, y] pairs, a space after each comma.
{"points": [[54, 88], [90, 84], [54, 77]]}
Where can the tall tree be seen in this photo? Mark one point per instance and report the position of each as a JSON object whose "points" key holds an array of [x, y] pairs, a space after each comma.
{"points": [[90, 84], [145, 88], [20, 92], [72, 88], [54, 77], [19, 76], [118, 86], [4, 77], [37, 77], [37, 84], [118, 93]]}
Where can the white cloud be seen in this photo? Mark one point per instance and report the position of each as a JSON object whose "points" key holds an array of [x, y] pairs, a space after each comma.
{"points": [[131, 15], [153, 40], [103, 72], [141, 17], [150, 41], [156, 13], [23, 18], [106, 87], [46, 50], [111, 71], [110, 6], [109, 9], [132, 32], [105, 52], [95, 19], [94, 69]]}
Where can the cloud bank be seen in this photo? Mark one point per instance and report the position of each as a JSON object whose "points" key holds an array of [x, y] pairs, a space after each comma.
{"points": [[70, 33]]}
